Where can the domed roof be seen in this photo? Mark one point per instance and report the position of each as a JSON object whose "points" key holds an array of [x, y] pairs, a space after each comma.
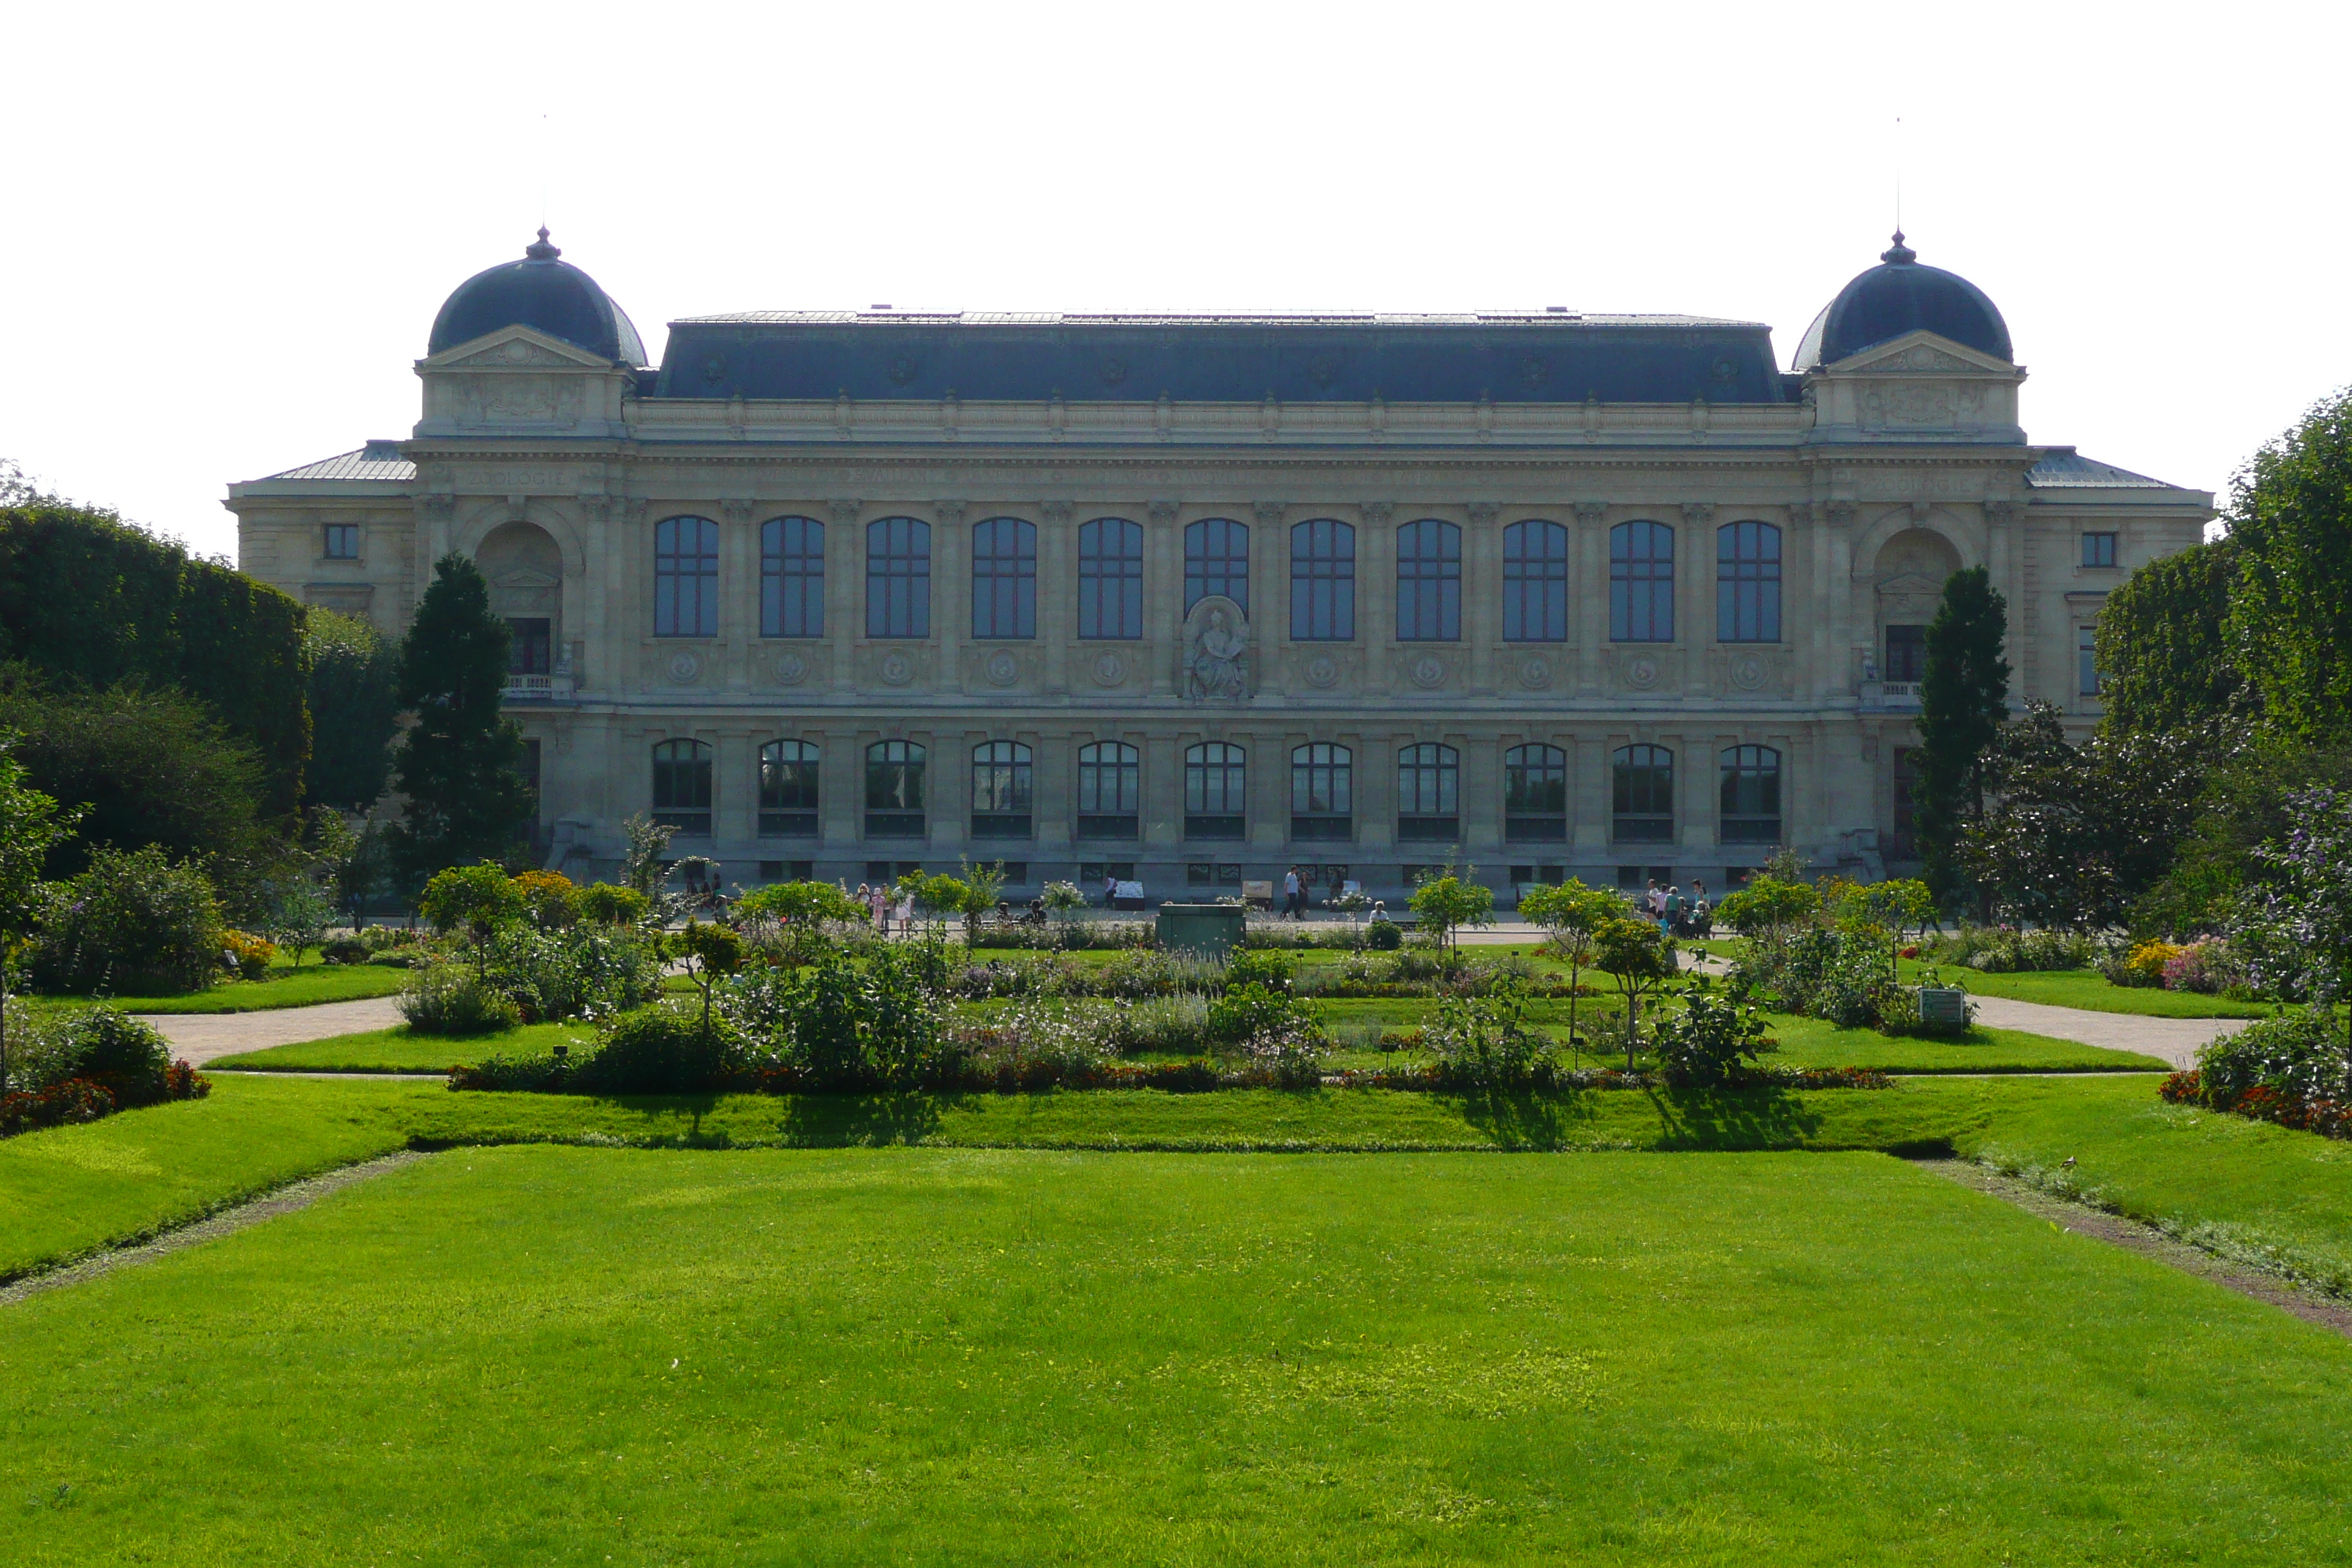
{"points": [[1899, 296], [545, 294]]}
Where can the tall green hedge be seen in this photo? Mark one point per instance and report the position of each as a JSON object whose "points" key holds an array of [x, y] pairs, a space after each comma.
{"points": [[87, 598]]}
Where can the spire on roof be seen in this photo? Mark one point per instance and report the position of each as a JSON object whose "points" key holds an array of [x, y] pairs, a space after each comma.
{"points": [[543, 251], [1899, 254]]}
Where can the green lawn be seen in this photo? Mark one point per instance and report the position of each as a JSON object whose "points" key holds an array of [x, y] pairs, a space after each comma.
{"points": [[560, 1356], [283, 987], [397, 1050], [2088, 989]]}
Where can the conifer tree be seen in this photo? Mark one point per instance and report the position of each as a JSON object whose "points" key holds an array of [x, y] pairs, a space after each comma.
{"points": [[459, 764], [1963, 701]]}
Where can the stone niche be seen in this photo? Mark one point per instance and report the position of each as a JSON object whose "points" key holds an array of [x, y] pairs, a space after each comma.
{"points": [[1218, 661]]}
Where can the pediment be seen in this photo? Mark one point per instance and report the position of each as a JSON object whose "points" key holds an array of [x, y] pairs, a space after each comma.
{"points": [[515, 348], [526, 577], [1922, 352], [1909, 586]]}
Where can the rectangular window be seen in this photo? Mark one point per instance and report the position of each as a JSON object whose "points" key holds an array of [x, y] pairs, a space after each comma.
{"points": [[898, 578], [1535, 582], [788, 783], [791, 577], [532, 650], [2086, 660], [1906, 655], [1747, 583], [1642, 791], [1216, 562], [1546, 875], [682, 788], [686, 577], [1093, 874], [1110, 579], [1751, 795], [1641, 582], [1110, 790], [1322, 581], [1906, 811], [1016, 872], [1636, 879], [1003, 788], [882, 873], [1212, 874], [1428, 793], [1217, 779], [1429, 582], [1322, 793], [1004, 579], [894, 789], [2098, 550], [343, 542]]}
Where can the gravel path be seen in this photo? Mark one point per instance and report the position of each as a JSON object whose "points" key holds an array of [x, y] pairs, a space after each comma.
{"points": [[198, 1037], [2174, 1040]]}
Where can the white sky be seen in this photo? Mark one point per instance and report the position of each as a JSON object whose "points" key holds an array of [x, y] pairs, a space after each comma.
{"points": [[230, 226]]}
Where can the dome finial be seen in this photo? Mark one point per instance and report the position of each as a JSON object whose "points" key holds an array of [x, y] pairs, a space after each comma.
{"points": [[543, 251], [1900, 254]]}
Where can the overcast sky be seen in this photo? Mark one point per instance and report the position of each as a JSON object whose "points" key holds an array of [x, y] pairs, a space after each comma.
{"points": [[231, 226]]}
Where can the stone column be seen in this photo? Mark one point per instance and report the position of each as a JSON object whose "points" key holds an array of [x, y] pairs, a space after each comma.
{"points": [[1163, 790], [735, 788], [1057, 593], [844, 591], [1269, 756], [1376, 797], [1589, 786], [1588, 594], [1056, 787], [1163, 594], [1376, 595], [1481, 798], [1694, 626], [951, 564], [1482, 592], [840, 788], [1270, 600], [739, 593]]}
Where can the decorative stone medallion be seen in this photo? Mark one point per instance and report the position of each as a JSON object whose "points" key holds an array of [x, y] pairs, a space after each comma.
{"points": [[1109, 669], [898, 669], [1747, 672], [791, 668], [1323, 670], [1428, 671], [1535, 674], [1642, 673], [684, 666], [1001, 668]]}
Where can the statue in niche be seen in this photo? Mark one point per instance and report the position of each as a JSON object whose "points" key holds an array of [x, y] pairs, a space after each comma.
{"points": [[1216, 660]]}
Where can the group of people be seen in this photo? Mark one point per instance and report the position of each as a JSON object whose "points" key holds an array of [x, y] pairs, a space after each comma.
{"points": [[1678, 914], [878, 902], [1297, 887]]}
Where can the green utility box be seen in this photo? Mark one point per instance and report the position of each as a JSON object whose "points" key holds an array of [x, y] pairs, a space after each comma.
{"points": [[1211, 931]]}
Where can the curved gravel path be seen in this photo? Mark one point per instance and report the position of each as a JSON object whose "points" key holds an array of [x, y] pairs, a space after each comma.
{"points": [[2174, 1040], [199, 1038]]}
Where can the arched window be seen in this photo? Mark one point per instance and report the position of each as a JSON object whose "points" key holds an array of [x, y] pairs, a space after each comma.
{"points": [[1747, 583], [1110, 578], [682, 788], [898, 578], [1323, 582], [1535, 795], [1322, 792], [1429, 582], [1751, 795], [686, 577], [1005, 578], [1216, 561], [1002, 786], [1643, 795], [1641, 582], [1110, 790], [788, 789], [1429, 781], [1535, 582], [894, 790], [1216, 791], [791, 577]]}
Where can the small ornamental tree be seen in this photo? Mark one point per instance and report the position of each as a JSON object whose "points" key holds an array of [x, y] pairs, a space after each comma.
{"points": [[1572, 915], [610, 903], [460, 764], [711, 953], [643, 865], [1634, 954], [791, 916], [1444, 904], [983, 885], [477, 899], [1963, 700], [1767, 908], [30, 823]]}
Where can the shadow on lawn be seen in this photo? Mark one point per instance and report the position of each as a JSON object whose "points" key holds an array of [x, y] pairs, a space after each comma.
{"points": [[1733, 1119], [859, 1120], [1527, 1120]]}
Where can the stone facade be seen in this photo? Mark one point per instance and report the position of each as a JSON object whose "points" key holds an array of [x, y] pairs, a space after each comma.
{"points": [[1745, 724]]}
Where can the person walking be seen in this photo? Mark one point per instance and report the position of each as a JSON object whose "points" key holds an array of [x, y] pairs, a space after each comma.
{"points": [[1111, 889], [1292, 901], [1672, 925]]}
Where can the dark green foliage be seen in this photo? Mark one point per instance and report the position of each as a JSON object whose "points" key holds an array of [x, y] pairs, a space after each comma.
{"points": [[2290, 628], [354, 694], [2242, 806], [1963, 700], [2164, 660], [1714, 1038], [661, 1050], [111, 1044], [133, 923], [458, 999], [94, 603], [459, 764], [2298, 1054], [1250, 1011]]}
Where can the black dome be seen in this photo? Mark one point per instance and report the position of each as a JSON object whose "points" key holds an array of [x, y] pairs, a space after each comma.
{"points": [[544, 294], [1899, 296]]}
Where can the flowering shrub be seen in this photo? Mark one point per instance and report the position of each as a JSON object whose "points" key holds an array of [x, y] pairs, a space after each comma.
{"points": [[133, 923], [2005, 950], [2143, 964], [73, 1099], [2210, 967], [454, 999], [248, 954]]}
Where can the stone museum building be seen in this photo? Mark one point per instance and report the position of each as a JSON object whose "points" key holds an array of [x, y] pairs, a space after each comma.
{"points": [[1189, 599]]}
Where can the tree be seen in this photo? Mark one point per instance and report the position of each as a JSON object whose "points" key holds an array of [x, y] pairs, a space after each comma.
{"points": [[1963, 700], [2163, 654], [355, 693], [1572, 915], [459, 764], [1767, 908], [481, 899], [2302, 929], [983, 885], [797, 913], [1634, 954], [646, 842], [713, 953], [1444, 904], [30, 824], [2289, 626]]}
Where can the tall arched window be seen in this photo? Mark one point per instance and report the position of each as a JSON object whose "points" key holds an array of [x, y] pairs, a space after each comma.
{"points": [[1429, 582], [686, 577], [791, 577], [1751, 795], [894, 790], [1003, 787], [1216, 561], [1641, 582], [788, 771], [1535, 795], [682, 788], [1005, 578], [1110, 578], [1747, 583], [1429, 788], [1322, 792], [1535, 582], [898, 578], [1642, 786], [1216, 791], [1323, 581], [1110, 790]]}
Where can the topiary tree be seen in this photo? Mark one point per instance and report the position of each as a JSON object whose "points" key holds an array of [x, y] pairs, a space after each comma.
{"points": [[2163, 653], [30, 823], [1768, 908], [1444, 904], [1640, 960], [354, 694], [2289, 626], [608, 903], [1572, 915], [460, 764], [1963, 701]]}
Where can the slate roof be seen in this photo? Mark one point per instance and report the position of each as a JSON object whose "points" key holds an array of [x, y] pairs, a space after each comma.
{"points": [[378, 460], [2064, 469]]}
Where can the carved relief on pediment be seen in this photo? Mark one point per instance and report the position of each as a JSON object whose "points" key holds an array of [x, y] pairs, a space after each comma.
{"points": [[505, 399], [1919, 358], [1921, 406], [1908, 599]]}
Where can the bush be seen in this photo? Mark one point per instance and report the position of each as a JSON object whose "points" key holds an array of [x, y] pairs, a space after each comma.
{"points": [[1259, 966], [549, 898], [1384, 936], [662, 1049], [456, 999], [2141, 964], [248, 954], [2210, 967], [1714, 1040], [1173, 1026], [1246, 1012], [108, 1044], [344, 950], [1287, 1055], [2297, 1058], [85, 1066], [608, 903], [582, 971], [2003, 949], [1485, 1043], [134, 922]]}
